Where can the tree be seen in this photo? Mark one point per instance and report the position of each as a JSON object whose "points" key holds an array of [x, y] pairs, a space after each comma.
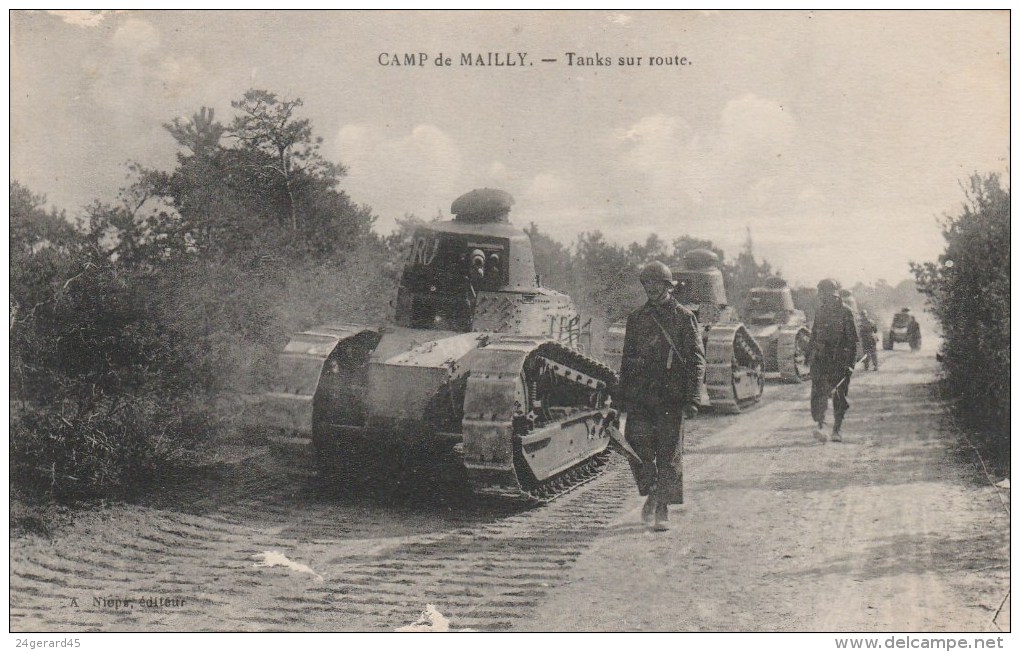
{"points": [[686, 243], [32, 228], [745, 273], [552, 260], [256, 191], [98, 376], [45, 258], [606, 277], [200, 135], [653, 249], [127, 324], [289, 152]]}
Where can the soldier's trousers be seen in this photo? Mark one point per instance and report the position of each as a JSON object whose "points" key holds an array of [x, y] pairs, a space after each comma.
{"points": [[657, 436], [871, 357], [824, 379]]}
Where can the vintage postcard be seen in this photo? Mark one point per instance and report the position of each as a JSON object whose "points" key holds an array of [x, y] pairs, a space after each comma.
{"points": [[511, 321]]}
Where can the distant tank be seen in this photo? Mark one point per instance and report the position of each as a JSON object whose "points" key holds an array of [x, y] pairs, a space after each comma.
{"points": [[480, 363], [780, 329], [734, 373], [904, 328]]}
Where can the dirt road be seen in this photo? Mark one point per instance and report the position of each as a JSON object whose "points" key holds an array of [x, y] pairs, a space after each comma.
{"points": [[892, 530]]}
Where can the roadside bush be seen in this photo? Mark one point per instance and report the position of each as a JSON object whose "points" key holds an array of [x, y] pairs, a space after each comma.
{"points": [[968, 290], [101, 394], [111, 449]]}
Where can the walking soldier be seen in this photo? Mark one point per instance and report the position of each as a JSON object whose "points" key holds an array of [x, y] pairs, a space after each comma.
{"points": [[661, 374], [832, 350]]}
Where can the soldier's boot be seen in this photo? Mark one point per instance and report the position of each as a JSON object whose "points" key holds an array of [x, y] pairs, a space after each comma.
{"points": [[819, 431], [648, 511], [835, 432], [661, 517]]}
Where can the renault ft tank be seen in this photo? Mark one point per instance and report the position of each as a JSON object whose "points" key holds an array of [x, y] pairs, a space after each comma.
{"points": [[904, 328], [780, 329], [480, 362], [735, 363], [734, 370]]}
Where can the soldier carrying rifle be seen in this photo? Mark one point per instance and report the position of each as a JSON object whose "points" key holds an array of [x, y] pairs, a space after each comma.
{"points": [[660, 381], [832, 352]]}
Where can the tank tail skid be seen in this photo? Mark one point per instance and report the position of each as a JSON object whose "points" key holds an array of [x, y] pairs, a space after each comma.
{"points": [[288, 405], [734, 373]]}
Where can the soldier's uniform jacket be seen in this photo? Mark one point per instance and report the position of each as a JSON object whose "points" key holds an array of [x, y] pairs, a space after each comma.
{"points": [[652, 375], [833, 336], [867, 331]]}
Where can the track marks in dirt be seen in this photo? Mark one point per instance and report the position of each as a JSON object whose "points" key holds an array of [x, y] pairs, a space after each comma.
{"points": [[483, 564], [483, 578]]}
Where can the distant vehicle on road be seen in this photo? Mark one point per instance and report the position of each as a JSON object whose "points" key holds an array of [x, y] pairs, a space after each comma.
{"points": [[904, 328]]}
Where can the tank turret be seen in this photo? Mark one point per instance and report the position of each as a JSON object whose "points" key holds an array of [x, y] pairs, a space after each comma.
{"points": [[772, 303], [450, 265], [700, 282]]}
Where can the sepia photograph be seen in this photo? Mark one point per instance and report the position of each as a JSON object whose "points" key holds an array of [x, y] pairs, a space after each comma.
{"points": [[510, 321]]}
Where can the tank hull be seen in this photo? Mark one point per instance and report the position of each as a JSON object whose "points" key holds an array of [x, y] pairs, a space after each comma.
{"points": [[785, 351], [524, 416], [909, 334]]}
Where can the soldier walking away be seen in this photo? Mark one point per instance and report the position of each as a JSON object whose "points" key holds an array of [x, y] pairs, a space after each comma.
{"points": [[868, 331], [913, 331], [661, 373], [832, 350]]}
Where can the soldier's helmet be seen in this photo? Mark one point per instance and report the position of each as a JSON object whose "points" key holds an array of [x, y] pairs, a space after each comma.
{"points": [[864, 313], [657, 271], [827, 287], [905, 310]]}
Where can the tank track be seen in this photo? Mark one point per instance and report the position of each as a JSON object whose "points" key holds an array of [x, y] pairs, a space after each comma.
{"points": [[497, 399], [580, 361], [791, 355], [734, 371], [560, 484]]}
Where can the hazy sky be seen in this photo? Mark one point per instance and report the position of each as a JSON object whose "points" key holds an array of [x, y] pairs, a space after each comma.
{"points": [[838, 138]]}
